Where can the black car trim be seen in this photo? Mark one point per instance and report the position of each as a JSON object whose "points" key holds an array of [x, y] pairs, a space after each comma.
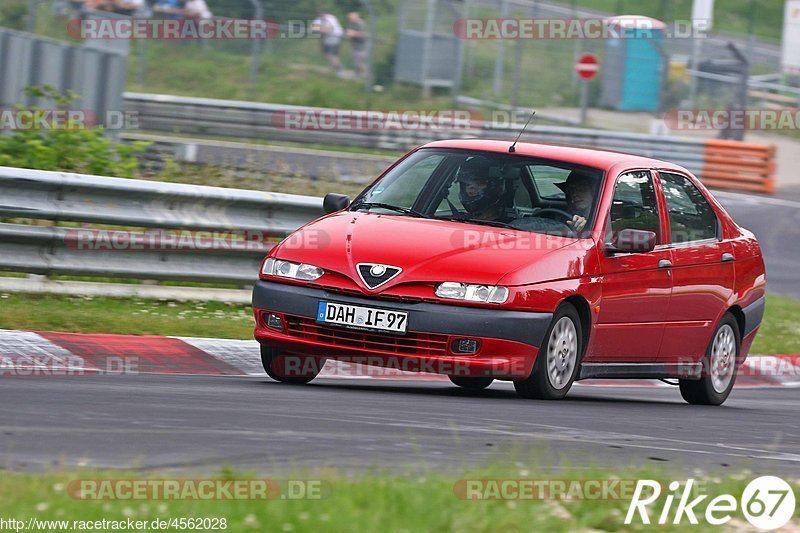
{"points": [[423, 317], [753, 315], [640, 370]]}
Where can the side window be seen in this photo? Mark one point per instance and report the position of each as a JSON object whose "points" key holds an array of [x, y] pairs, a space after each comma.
{"points": [[691, 217], [635, 205]]}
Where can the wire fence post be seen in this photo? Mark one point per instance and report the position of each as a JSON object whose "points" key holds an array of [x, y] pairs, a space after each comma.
{"points": [[256, 49], [751, 27], [584, 102], [462, 51], [430, 26], [32, 4], [740, 98], [141, 66], [369, 71], [499, 62], [576, 45]]}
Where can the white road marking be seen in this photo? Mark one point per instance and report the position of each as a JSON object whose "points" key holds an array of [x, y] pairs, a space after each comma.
{"points": [[29, 350], [26, 350], [240, 354]]}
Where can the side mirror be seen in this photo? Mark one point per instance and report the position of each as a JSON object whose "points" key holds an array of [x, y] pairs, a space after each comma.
{"points": [[632, 241], [335, 202]]}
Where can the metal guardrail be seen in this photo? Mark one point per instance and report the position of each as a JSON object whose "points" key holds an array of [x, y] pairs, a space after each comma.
{"points": [[226, 118], [232, 118], [150, 204], [253, 216], [261, 159]]}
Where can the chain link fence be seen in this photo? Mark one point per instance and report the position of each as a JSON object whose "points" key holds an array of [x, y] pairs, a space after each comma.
{"points": [[417, 54], [234, 68], [522, 72]]}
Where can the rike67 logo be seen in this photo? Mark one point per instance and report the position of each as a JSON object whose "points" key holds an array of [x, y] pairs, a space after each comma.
{"points": [[768, 503]]}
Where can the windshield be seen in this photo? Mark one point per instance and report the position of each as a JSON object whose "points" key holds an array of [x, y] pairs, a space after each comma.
{"points": [[489, 188]]}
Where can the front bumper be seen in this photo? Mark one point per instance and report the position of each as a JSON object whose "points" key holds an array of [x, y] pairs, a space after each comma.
{"points": [[508, 340]]}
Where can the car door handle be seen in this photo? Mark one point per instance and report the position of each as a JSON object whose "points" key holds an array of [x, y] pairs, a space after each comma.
{"points": [[726, 257], [665, 263]]}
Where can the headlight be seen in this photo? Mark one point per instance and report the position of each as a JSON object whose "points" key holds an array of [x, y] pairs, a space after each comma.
{"points": [[472, 293], [287, 269]]}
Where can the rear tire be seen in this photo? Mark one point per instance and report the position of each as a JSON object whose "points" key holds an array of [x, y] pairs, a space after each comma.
{"points": [[558, 360], [471, 383], [719, 366], [289, 369]]}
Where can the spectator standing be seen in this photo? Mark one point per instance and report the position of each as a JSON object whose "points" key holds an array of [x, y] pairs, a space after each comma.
{"points": [[357, 34], [98, 5], [77, 6], [197, 9], [131, 7], [331, 33], [172, 9]]}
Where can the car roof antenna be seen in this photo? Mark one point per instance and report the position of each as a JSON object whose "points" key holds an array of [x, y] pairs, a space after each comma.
{"points": [[511, 148]]}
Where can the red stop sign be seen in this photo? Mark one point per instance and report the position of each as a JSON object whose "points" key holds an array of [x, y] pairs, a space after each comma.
{"points": [[587, 66]]}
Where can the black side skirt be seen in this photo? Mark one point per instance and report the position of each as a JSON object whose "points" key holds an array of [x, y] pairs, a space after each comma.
{"points": [[640, 370]]}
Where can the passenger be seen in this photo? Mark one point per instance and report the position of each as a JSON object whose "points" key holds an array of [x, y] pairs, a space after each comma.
{"points": [[479, 192], [578, 190]]}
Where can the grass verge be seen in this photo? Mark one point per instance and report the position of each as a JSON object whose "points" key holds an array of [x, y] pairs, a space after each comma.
{"points": [[731, 16], [256, 180], [780, 332], [373, 502], [122, 315]]}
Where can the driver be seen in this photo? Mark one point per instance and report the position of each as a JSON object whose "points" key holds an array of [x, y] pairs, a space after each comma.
{"points": [[578, 190], [479, 193]]}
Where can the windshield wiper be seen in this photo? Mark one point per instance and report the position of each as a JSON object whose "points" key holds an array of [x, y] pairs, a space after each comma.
{"points": [[494, 223], [390, 207]]}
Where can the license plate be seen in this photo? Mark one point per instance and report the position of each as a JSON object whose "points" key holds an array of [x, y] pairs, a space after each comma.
{"points": [[355, 316]]}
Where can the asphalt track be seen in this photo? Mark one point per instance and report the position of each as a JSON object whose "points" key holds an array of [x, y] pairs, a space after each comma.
{"points": [[201, 423], [776, 223]]}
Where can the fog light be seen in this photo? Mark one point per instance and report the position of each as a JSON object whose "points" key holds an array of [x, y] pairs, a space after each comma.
{"points": [[274, 322], [466, 346]]}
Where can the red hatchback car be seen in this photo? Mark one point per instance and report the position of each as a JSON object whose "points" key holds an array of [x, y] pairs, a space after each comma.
{"points": [[537, 264]]}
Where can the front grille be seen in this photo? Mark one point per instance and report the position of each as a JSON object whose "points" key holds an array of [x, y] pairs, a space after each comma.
{"points": [[412, 343], [384, 296]]}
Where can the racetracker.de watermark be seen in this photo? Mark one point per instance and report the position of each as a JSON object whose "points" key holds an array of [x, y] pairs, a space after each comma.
{"points": [[226, 29], [197, 489], [99, 240], [397, 119], [577, 28], [545, 489], [733, 119], [65, 366], [391, 366], [12, 119]]}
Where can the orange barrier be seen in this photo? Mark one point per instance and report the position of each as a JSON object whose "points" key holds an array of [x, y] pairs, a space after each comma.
{"points": [[739, 165]]}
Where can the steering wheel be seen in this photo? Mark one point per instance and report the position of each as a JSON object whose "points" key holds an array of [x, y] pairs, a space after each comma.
{"points": [[555, 210]]}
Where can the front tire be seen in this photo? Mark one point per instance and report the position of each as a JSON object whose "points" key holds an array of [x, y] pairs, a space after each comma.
{"points": [[558, 361], [289, 369], [719, 366], [471, 383]]}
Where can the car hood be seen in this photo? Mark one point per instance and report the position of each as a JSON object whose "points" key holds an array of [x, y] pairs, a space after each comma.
{"points": [[426, 250]]}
